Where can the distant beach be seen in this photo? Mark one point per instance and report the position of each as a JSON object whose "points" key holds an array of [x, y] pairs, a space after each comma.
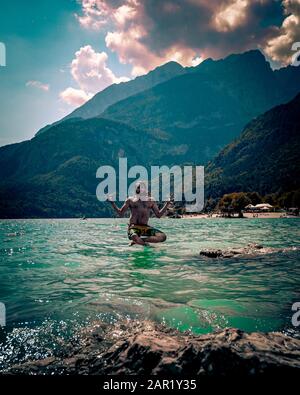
{"points": [[246, 215]]}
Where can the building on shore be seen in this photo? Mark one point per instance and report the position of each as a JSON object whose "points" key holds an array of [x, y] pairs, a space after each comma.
{"points": [[261, 207]]}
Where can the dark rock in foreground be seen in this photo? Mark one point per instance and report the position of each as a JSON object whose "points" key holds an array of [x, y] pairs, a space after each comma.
{"points": [[147, 348], [249, 250]]}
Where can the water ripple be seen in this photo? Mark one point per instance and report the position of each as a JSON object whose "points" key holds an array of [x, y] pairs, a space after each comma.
{"points": [[61, 269]]}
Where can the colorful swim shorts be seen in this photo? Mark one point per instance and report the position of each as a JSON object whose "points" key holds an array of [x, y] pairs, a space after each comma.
{"points": [[142, 231]]}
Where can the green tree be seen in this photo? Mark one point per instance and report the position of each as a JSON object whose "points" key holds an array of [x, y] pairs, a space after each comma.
{"points": [[254, 197], [234, 203]]}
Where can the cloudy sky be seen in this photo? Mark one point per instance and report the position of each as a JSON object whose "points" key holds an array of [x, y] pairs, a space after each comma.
{"points": [[59, 53]]}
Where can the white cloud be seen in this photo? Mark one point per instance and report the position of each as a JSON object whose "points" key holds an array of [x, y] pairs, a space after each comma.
{"points": [[197, 60], [125, 13], [38, 85], [91, 73], [232, 16], [95, 13], [279, 48], [130, 49], [74, 97], [98, 13], [129, 20], [147, 33]]}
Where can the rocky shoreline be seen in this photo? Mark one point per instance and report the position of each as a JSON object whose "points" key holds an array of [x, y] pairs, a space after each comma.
{"points": [[147, 348], [251, 250]]}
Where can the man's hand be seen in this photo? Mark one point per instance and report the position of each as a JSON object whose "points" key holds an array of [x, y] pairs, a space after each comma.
{"points": [[110, 199], [170, 202], [160, 213], [121, 211]]}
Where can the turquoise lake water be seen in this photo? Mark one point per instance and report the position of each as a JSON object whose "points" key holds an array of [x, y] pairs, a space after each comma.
{"points": [[58, 275]]}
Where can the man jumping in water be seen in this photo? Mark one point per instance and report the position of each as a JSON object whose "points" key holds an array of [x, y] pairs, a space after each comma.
{"points": [[140, 205]]}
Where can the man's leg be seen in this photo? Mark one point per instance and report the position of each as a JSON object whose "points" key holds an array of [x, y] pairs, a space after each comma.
{"points": [[134, 236], [135, 239], [158, 237]]}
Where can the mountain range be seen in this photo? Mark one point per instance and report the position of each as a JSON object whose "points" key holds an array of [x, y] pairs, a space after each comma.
{"points": [[264, 158], [116, 92], [203, 110], [54, 174], [199, 109], [172, 115]]}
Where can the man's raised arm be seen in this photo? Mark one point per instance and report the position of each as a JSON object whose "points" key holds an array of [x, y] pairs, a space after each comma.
{"points": [[159, 213], [121, 211]]}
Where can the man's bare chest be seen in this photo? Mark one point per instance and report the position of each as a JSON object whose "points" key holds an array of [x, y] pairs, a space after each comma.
{"points": [[140, 205]]}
